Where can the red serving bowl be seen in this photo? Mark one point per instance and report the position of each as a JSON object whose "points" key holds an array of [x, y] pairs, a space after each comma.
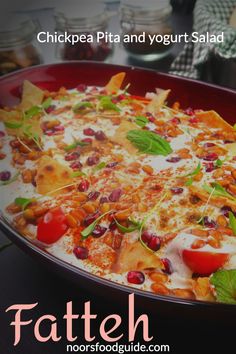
{"points": [[189, 93]]}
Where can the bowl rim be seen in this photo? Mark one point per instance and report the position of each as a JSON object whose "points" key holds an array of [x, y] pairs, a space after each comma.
{"points": [[25, 243]]}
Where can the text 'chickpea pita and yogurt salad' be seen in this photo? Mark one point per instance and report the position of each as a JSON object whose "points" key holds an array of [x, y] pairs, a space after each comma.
{"points": [[124, 187]]}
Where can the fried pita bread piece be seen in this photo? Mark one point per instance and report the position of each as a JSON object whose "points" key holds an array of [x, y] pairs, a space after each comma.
{"points": [[120, 136], [134, 256], [214, 120], [51, 175], [31, 96], [157, 101], [115, 83]]}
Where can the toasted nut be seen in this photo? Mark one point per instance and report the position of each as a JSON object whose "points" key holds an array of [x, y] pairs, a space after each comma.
{"points": [[135, 198], [148, 169], [40, 210], [89, 207], [213, 242], [20, 221], [216, 234], [80, 197], [160, 289], [198, 177], [184, 293], [78, 214], [198, 244], [233, 174], [232, 188], [105, 207], [29, 214], [221, 220], [13, 208], [218, 173], [53, 123], [158, 277], [27, 176], [71, 221], [225, 230], [122, 215], [199, 232]]}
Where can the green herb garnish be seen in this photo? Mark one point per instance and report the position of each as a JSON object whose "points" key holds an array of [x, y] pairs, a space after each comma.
{"points": [[195, 172], [224, 282], [189, 182], [23, 202], [82, 105], [99, 167], [219, 163], [13, 179], [13, 125], [218, 191], [232, 222], [74, 145], [149, 143], [33, 111], [141, 121], [47, 103], [135, 225], [106, 103], [77, 174], [87, 232]]}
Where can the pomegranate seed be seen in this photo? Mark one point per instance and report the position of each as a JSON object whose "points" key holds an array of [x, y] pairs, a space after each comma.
{"points": [[173, 159], [209, 167], [89, 219], [225, 211], [103, 200], [92, 160], [5, 176], [89, 132], [112, 164], [211, 157], [81, 88], [59, 128], [83, 186], [49, 132], [135, 277], [211, 224], [157, 188], [72, 156], [151, 240], [208, 145], [115, 195], [2, 134], [93, 195], [99, 231], [81, 252], [168, 269], [100, 135], [175, 120], [228, 141], [193, 120], [155, 243], [87, 140], [76, 165], [189, 111], [177, 190], [50, 109]]}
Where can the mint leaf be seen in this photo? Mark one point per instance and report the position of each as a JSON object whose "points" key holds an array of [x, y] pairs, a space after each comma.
{"points": [[23, 202], [107, 104], [82, 105], [99, 167], [135, 226], [219, 163], [47, 103], [232, 222], [33, 111], [224, 282], [87, 232], [149, 143], [141, 121], [195, 172], [13, 125], [218, 190]]}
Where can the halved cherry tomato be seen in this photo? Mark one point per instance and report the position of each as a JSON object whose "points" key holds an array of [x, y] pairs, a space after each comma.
{"points": [[203, 262], [52, 226]]}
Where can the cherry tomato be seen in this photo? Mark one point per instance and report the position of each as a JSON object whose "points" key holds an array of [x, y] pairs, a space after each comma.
{"points": [[202, 262], [52, 226]]}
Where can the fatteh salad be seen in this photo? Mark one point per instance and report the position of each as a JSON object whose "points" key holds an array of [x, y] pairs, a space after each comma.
{"points": [[124, 187]]}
